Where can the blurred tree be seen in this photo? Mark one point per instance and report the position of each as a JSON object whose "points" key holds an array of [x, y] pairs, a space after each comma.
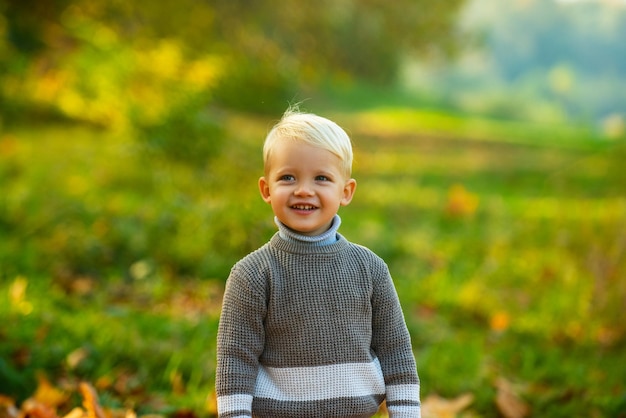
{"points": [[26, 21], [364, 39], [265, 49]]}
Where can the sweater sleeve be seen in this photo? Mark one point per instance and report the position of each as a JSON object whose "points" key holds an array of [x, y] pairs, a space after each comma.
{"points": [[240, 342], [392, 344]]}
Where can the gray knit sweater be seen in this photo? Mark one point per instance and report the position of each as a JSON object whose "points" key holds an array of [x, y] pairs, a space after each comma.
{"points": [[313, 331]]}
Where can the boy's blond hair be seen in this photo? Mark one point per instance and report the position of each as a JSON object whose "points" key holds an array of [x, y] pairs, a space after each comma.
{"points": [[313, 130]]}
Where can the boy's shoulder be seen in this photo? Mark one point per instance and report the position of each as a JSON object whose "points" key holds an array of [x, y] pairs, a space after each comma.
{"points": [[368, 258], [361, 250]]}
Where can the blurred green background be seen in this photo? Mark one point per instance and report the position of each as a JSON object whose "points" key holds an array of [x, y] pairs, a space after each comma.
{"points": [[490, 143]]}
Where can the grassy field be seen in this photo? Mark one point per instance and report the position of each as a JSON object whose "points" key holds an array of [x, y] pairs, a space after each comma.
{"points": [[507, 244]]}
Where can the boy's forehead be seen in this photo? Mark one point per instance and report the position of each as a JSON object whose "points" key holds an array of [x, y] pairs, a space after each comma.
{"points": [[298, 153], [296, 149]]}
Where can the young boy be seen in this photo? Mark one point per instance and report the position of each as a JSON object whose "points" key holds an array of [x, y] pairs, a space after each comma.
{"points": [[311, 325]]}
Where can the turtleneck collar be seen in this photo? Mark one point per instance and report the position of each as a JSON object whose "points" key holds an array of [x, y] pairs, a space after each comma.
{"points": [[326, 238]]}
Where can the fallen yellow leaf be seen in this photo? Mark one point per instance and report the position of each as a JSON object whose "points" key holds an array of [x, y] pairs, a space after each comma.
{"points": [[90, 401], [461, 202], [32, 408], [434, 406], [48, 394], [76, 413], [8, 408], [500, 321], [508, 402]]}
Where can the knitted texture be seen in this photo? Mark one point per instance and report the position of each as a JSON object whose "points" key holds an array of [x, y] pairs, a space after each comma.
{"points": [[310, 331]]}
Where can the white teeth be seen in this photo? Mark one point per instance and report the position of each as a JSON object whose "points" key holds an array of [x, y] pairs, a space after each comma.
{"points": [[303, 207]]}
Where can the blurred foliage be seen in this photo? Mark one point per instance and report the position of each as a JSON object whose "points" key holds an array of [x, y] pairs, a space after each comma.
{"points": [[187, 133], [113, 63], [254, 87]]}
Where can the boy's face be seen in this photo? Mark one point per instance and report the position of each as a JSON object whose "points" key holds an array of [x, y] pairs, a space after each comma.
{"points": [[305, 186]]}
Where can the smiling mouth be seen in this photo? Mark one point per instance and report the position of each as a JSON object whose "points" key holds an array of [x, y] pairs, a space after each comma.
{"points": [[304, 207]]}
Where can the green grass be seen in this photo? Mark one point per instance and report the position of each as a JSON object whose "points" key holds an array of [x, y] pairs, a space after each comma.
{"points": [[506, 243]]}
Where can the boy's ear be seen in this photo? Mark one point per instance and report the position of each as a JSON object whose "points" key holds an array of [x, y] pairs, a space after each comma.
{"points": [[348, 192], [264, 188]]}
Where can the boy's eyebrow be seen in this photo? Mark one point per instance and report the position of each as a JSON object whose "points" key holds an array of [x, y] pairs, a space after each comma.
{"points": [[328, 173], [293, 169]]}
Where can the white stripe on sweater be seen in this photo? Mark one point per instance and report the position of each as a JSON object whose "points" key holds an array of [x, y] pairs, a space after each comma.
{"points": [[232, 403], [320, 382], [404, 411], [403, 393]]}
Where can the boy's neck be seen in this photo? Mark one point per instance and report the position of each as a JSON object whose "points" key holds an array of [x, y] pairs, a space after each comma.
{"points": [[326, 238]]}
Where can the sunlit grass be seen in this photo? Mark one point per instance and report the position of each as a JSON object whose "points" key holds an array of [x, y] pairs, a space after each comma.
{"points": [[403, 121], [146, 350]]}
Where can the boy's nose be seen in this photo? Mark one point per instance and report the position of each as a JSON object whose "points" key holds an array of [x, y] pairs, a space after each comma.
{"points": [[303, 189]]}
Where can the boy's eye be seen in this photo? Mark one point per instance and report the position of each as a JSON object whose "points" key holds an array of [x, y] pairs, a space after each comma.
{"points": [[322, 178], [286, 177]]}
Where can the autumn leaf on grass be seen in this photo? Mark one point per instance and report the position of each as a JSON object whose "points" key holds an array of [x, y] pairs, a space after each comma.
{"points": [[75, 413], [8, 408], [211, 403], [435, 406], [461, 202], [42, 404], [76, 357], [508, 402], [47, 394], [32, 408], [499, 321], [90, 401]]}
